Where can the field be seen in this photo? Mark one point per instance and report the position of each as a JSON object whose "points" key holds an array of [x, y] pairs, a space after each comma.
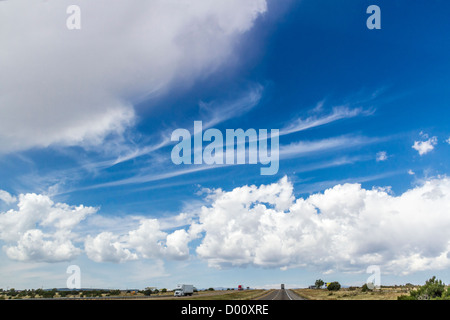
{"points": [[229, 295], [201, 295], [389, 293], [352, 293]]}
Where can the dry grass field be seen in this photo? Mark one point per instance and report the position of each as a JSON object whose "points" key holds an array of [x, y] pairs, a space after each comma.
{"points": [[229, 295], [201, 295], [352, 294]]}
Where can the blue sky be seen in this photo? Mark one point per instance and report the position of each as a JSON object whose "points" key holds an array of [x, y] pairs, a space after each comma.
{"points": [[87, 116]]}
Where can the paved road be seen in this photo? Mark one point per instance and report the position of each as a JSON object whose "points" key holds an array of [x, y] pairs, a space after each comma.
{"points": [[282, 295]]}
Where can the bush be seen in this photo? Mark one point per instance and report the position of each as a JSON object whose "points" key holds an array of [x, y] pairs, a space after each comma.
{"points": [[334, 286], [365, 288], [148, 292], [117, 292], [446, 294], [433, 289], [319, 283]]}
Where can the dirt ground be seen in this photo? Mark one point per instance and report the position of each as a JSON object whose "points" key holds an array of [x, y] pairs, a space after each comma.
{"points": [[352, 294]]}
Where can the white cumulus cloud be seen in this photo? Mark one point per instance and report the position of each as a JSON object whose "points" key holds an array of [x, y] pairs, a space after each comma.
{"points": [[382, 156], [345, 228], [147, 241], [423, 147], [41, 230], [342, 229], [34, 245], [107, 247]]}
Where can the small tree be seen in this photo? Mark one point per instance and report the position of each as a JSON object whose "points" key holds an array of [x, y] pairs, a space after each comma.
{"points": [[319, 283], [116, 292], [334, 286], [446, 294], [148, 291], [433, 289], [365, 288]]}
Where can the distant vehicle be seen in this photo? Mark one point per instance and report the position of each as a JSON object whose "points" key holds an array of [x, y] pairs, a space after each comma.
{"points": [[240, 288], [282, 286], [184, 290]]}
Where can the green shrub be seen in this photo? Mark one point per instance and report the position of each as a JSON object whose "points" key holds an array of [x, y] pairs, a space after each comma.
{"points": [[433, 289], [319, 283], [334, 286], [365, 288]]}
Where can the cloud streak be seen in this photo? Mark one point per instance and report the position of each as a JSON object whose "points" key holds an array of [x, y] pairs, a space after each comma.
{"points": [[338, 113], [303, 148]]}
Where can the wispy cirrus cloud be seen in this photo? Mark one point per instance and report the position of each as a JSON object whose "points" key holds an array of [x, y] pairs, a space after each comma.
{"points": [[212, 113], [337, 162], [294, 150], [7, 197], [216, 112], [337, 113], [303, 148]]}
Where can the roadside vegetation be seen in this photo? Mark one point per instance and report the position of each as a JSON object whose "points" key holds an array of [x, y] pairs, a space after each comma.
{"points": [[149, 292], [433, 289], [352, 293], [55, 293]]}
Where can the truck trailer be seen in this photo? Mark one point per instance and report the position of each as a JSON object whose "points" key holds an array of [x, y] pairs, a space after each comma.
{"points": [[184, 290]]}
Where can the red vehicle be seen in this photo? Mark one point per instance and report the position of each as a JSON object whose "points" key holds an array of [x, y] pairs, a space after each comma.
{"points": [[240, 288]]}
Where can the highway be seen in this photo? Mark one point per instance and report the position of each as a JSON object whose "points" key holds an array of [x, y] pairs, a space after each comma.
{"points": [[283, 294]]}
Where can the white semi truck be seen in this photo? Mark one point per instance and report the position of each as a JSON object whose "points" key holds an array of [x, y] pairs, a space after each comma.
{"points": [[184, 290]]}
